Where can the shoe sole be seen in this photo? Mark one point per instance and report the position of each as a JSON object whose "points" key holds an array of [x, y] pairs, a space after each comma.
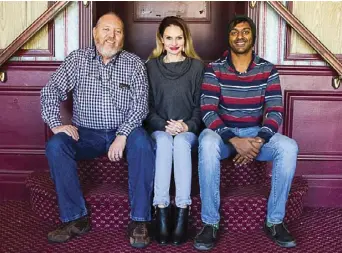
{"points": [[72, 236], [178, 243], [138, 245], [286, 244], [203, 247]]}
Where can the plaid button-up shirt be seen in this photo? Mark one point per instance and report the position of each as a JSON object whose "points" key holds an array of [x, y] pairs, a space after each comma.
{"points": [[112, 96]]}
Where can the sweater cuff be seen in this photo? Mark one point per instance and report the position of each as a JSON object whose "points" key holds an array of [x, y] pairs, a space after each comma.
{"points": [[227, 135], [265, 135], [191, 126]]}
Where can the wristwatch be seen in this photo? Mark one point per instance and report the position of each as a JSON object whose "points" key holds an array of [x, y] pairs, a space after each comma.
{"points": [[119, 133]]}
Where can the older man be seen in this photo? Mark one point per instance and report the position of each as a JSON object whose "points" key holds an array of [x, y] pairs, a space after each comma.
{"points": [[110, 89]]}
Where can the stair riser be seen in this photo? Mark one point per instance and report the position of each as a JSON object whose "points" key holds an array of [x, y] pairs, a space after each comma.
{"points": [[101, 170], [114, 212]]}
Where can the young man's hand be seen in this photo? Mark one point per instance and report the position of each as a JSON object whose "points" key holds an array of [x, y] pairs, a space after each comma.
{"points": [[244, 147], [247, 152]]}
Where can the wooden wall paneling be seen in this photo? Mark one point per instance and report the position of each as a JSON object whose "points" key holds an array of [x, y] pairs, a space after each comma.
{"points": [[19, 16], [23, 137], [28, 74], [20, 121], [23, 133], [312, 118], [42, 44], [325, 27], [307, 114], [324, 191]]}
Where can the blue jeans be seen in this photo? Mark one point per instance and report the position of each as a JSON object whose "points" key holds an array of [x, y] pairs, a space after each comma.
{"points": [[63, 152], [178, 150], [281, 150]]}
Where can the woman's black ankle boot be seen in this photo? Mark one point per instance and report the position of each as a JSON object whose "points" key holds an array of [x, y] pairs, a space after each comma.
{"points": [[180, 232], [162, 225]]}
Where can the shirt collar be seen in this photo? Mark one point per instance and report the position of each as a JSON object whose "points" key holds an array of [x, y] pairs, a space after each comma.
{"points": [[228, 58]]}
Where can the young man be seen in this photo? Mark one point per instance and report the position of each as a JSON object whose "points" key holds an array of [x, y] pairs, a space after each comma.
{"points": [[241, 106], [110, 89]]}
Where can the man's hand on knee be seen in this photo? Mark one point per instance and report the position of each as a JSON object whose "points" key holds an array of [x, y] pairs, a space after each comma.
{"points": [[115, 152], [244, 147], [247, 148], [68, 129]]}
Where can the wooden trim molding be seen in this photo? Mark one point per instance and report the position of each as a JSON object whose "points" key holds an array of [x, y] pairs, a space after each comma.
{"points": [[294, 56], [253, 13], [299, 70], [32, 65], [24, 75], [86, 24], [23, 151], [324, 52], [29, 32]]}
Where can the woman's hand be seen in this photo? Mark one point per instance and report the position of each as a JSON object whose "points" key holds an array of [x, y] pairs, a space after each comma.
{"points": [[175, 127]]}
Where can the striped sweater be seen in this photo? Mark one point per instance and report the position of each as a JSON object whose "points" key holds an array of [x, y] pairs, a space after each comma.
{"points": [[233, 100]]}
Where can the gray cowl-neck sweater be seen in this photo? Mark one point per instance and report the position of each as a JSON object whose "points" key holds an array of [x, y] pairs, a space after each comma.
{"points": [[174, 93]]}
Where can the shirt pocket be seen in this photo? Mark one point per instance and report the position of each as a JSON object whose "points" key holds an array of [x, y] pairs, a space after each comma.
{"points": [[87, 89], [122, 95]]}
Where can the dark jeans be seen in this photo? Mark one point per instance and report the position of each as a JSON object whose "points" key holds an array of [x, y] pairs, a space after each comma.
{"points": [[63, 153]]}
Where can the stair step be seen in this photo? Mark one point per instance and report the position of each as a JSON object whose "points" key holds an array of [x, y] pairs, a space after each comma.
{"points": [[242, 208], [107, 203]]}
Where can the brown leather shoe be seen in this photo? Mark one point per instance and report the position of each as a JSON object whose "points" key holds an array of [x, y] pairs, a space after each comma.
{"points": [[70, 229], [138, 234]]}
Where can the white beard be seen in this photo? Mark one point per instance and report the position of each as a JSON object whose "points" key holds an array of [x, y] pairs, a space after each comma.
{"points": [[108, 53]]}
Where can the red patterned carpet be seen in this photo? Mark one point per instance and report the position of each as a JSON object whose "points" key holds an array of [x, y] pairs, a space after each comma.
{"points": [[317, 231]]}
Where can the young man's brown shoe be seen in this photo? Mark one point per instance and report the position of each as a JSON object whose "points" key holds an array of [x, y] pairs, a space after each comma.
{"points": [[68, 230]]}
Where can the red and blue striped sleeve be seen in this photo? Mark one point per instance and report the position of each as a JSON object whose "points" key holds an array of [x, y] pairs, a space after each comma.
{"points": [[210, 98], [273, 109]]}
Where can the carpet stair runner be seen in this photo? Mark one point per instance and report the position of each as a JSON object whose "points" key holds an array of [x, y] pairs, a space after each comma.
{"points": [[244, 193]]}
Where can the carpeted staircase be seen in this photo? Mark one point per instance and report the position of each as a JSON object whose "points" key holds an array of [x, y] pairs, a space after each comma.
{"points": [[244, 193], [24, 225]]}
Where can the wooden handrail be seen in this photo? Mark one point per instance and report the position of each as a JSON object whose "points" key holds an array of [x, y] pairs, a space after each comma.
{"points": [[310, 38], [30, 31]]}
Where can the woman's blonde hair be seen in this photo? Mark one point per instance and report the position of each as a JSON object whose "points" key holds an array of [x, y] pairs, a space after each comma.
{"points": [[189, 50]]}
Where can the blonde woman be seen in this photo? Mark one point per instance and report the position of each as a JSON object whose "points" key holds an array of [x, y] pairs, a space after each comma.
{"points": [[175, 76]]}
